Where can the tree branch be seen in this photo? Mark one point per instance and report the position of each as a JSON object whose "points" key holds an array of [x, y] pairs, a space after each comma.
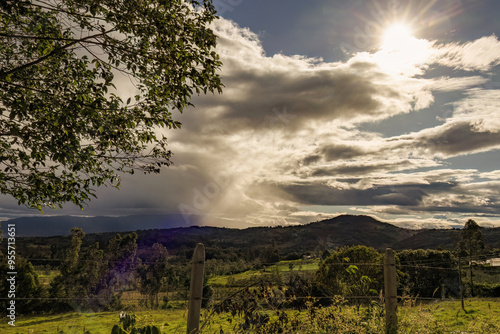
{"points": [[50, 54]]}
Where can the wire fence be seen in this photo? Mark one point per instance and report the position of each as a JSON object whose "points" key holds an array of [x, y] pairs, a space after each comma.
{"points": [[276, 286], [178, 294]]}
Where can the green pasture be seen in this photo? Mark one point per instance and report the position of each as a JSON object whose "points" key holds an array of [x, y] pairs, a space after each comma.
{"points": [[46, 276], [170, 321], [436, 316], [480, 316], [280, 267]]}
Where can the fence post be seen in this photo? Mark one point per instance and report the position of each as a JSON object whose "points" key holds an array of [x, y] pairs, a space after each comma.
{"points": [[461, 284], [196, 290], [391, 297]]}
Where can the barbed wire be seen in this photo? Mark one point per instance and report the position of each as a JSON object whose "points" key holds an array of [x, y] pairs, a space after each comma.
{"points": [[469, 257], [417, 264]]}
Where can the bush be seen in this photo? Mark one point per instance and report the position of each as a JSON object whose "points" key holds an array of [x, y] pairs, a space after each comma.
{"points": [[487, 289], [352, 271]]}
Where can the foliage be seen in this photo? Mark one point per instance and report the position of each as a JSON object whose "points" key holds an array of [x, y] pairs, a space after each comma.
{"points": [[66, 125], [471, 245], [336, 318], [151, 272], [428, 318], [429, 273], [351, 271], [28, 287], [271, 253], [94, 278], [471, 240], [127, 326], [207, 294], [248, 305], [63, 286], [487, 289], [120, 264]]}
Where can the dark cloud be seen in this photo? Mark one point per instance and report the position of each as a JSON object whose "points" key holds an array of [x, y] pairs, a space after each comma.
{"points": [[341, 152], [333, 152], [321, 95], [404, 195], [460, 207], [458, 138], [361, 169], [311, 159]]}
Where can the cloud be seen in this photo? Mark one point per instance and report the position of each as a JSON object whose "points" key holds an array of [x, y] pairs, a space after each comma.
{"points": [[481, 54], [398, 194], [290, 132], [286, 134], [361, 168], [313, 90], [473, 127], [341, 152], [456, 138]]}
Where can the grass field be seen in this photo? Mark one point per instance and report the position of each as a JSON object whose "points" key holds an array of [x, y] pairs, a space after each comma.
{"points": [[281, 267], [481, 316], [46, 276], [171, 321]]}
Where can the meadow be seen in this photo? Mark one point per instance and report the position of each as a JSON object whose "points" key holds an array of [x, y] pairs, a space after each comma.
{"points": [[251, 290], [481, 316]]}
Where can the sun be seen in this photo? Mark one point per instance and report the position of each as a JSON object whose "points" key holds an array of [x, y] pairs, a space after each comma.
{"points": [[400, 51], [398, 36]]}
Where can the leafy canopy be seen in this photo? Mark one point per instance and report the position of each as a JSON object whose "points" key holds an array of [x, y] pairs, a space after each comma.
{"points": [[351, 271], [471, 240], [65, 128]]}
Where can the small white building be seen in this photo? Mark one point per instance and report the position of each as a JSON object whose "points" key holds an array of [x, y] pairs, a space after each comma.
{"points": [[494, 262]]}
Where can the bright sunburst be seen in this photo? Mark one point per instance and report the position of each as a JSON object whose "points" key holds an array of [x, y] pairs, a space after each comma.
{"points": [[400, 51], [397, 37]]}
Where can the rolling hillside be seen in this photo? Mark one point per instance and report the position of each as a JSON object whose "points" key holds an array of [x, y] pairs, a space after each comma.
{"points": [[326, 234]]}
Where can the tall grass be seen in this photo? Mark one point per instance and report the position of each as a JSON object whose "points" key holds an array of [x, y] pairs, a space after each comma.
{"points": [[481, 316]]}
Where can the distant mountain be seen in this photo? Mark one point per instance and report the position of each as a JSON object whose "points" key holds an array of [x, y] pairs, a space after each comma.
{"points": [[61, 225], [446, 239], [170, 231], [340, 231]]}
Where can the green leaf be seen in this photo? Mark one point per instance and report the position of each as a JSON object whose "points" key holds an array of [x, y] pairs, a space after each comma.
{"points": [[63, 99]]}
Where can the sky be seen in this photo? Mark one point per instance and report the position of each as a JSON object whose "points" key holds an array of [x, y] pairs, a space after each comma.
{"points": [[384, 108]]}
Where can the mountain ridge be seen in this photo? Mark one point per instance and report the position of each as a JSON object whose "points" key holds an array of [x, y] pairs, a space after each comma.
{"points": [[343, 230]]}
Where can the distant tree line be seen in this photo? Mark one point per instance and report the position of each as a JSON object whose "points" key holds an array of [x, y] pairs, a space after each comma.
{"points": [[95, 276]]}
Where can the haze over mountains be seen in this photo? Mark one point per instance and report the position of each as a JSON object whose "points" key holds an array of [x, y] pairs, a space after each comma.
{"points": [[173, 232], [61, 225]]}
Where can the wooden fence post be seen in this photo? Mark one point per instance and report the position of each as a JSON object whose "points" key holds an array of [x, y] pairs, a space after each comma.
{"points": [[461, 284], [196, 291], [391, 294]]}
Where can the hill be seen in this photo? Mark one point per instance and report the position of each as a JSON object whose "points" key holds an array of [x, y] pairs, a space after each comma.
{"points": [[344, 230], [327, 234]]}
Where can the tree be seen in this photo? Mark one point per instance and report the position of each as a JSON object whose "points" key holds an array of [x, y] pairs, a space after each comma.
{"points": [[94, 278], [29, 292], [351, 271], [471, 245], [119, 264], [429, 273], [271, 253], [64, 285], [152, 272], [65, 128]]}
